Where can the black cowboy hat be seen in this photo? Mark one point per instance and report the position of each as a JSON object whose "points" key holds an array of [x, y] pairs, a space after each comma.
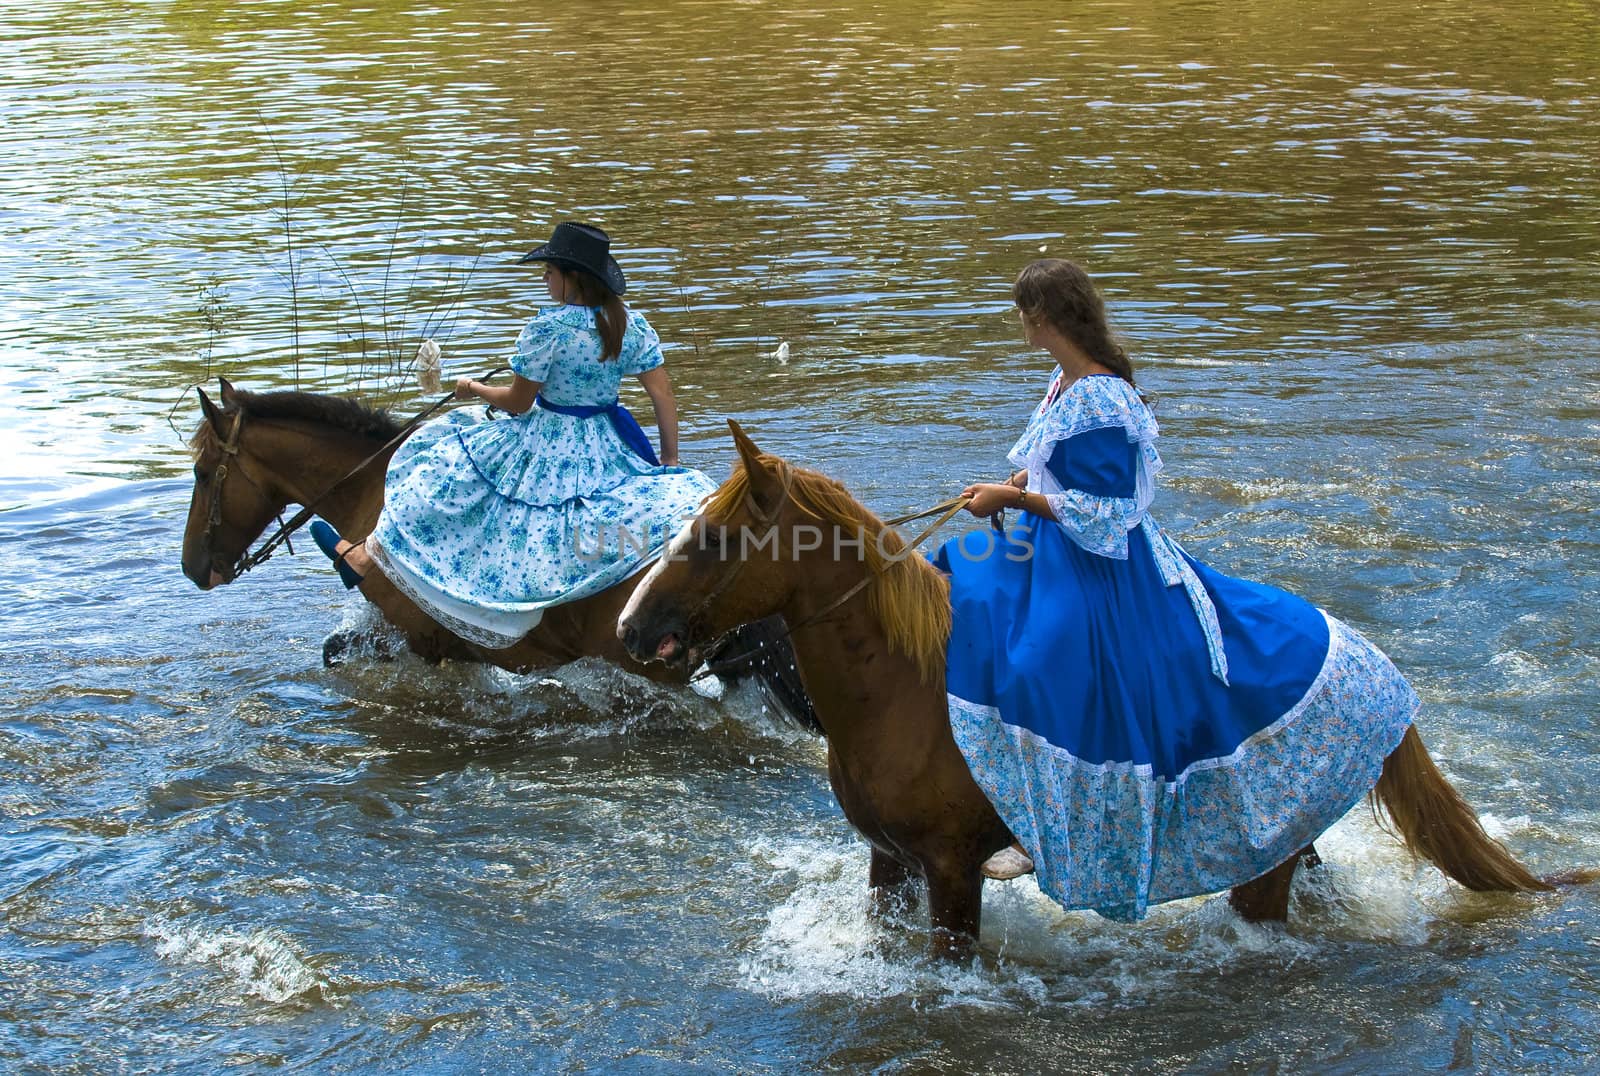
{"points": [[581, 246]]}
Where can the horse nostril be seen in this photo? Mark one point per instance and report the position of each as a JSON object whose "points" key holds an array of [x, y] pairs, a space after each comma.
{"points": [[630, 636]]}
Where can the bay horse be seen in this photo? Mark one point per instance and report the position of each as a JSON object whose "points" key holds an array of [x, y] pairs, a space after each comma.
{"points": [[873, 666], [295, 448]]}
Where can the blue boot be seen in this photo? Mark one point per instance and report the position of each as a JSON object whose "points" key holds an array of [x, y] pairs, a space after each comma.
{"points": [[327, 540]]}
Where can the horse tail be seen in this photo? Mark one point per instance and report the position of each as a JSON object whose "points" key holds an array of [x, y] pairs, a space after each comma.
{"points": [[1434, 822], [762, 650]]}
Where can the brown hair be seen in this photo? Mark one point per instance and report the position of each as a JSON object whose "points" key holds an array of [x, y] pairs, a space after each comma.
{"points": [[1061, 295], [611, 320]]}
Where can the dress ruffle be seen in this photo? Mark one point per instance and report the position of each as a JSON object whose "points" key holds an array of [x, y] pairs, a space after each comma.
{"points": [[1099, 524], [1117, 837], [488, 522], [591, 456], [1089, 403]]}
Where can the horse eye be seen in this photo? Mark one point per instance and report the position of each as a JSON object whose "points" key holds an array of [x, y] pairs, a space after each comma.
{"points": [[713, 536], [198, 473]]}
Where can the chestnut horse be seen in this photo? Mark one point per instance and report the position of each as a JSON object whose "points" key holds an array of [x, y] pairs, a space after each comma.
{"points": [[295, 448], [873, 665]]}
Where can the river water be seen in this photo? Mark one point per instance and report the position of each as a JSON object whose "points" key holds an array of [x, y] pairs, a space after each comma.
{"points": [[1353, 250]]}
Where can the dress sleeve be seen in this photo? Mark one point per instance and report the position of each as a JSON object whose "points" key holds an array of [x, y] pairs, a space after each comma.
{"points": [[1091, 452], [1091, 481], [1101, 463], [641, 347], [536, 345]]}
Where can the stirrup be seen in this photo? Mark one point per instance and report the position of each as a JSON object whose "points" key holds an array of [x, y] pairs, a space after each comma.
{"points": [[1006, 864]]}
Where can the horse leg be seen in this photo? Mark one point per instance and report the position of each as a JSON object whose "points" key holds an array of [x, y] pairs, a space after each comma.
{"points": [[890, 887], [426, 637], [955, 908], [1266, 899]]}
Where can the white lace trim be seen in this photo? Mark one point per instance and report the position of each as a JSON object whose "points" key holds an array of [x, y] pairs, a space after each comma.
{"points": [[1065, 760], [1099, 525], [1089, 403]]}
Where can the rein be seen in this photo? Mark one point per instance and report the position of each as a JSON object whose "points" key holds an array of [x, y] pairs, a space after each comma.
{"points": [[762, 519], [945, 510], [264, 552]]}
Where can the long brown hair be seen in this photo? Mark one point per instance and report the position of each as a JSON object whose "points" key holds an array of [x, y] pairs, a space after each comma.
{"points": [[611, 319], [1058, 293]]}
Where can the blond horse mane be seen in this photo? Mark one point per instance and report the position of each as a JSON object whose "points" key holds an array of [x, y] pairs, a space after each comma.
{"points": [[910, 598]]}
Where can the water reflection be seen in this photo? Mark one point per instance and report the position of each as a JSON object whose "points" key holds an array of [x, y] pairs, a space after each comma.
{"points": [[852, 180]]}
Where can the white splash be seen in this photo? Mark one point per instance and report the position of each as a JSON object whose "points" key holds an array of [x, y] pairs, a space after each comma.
{"points": [[260, 963], [707, 686], [818, 939]]}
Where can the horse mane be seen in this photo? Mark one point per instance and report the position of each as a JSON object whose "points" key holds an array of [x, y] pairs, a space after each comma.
{"points": [[910, 598], [336, 412]]}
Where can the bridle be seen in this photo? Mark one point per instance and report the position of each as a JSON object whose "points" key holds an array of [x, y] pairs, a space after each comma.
{"points": [[948, 508], [230, 450], [723, 584]]}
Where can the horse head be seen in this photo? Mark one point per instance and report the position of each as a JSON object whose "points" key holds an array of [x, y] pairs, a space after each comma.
{"points": [[234, 497], [742, 534], [775, 538]]}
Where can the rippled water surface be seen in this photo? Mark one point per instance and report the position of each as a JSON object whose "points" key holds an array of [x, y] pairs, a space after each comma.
{"points": [[1355, 251]]}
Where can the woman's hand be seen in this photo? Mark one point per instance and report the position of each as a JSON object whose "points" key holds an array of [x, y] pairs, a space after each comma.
{"points": [[464, 390], [990, 497]]}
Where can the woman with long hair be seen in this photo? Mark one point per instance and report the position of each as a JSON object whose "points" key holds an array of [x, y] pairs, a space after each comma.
{"points": [[1196, 727], [486, 524]]}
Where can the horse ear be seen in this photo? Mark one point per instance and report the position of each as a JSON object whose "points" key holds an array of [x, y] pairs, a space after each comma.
{"points": [[747, 448], [757, 464], [225, 392], [213, 415], [766, 486]]}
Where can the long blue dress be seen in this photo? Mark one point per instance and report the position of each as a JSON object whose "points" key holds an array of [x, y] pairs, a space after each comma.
{"points": [[487, 523], [1149, 728]]}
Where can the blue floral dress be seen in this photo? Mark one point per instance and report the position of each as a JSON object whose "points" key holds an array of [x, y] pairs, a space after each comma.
{"points": [[1149, 728], [486, 523]]}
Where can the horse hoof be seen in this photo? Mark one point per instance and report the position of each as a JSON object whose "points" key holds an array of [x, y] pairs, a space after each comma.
{"points": [[336, 648], [348, 645]]}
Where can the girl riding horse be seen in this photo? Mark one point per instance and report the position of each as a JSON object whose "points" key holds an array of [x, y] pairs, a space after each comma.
{"points": [[1145, 727], [1204, 728], [485, 525]]}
